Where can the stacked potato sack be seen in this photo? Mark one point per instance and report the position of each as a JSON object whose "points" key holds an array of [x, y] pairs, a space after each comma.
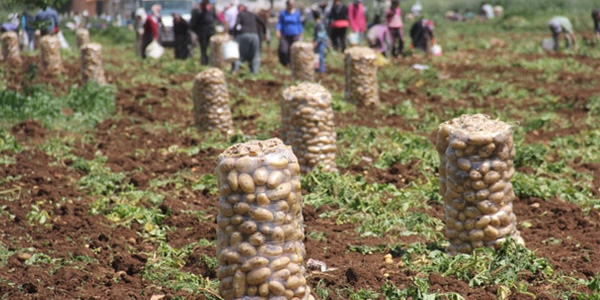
{"points": [[260, 233], [10, 50], [216, 56], [50, 54], [476, 156], [302, 61], [307, 125], [83, 37], [92, 67], [211, 102], [361, 76]]}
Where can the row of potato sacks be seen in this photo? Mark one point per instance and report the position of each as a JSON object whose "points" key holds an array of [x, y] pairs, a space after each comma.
{"points": [[307, 125], [10, 51], [211, 102], [215, 57], [361, 76], [476, 166], [302, 55], [260, 230]]}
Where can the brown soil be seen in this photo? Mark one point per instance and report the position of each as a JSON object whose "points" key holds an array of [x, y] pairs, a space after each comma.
{"points": [[141, 153]]}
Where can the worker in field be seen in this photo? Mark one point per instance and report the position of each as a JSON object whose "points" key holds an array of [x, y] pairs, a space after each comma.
{"points": [[562, 26], [181, 30], [596, 18], [421, 34], [380, 39], [151, 27], [393, 20], [288, 30], [202, 24], [246, 32], [49, 17]]}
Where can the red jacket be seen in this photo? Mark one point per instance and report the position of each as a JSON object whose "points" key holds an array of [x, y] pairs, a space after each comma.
{"points": [[356, 16], [151, 26]]}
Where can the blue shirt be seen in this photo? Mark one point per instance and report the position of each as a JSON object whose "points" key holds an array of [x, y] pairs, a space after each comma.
{"points": [[290, 23], [48, 14]]}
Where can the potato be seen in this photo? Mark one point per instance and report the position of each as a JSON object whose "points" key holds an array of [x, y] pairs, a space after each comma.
{"points": [[246, 183], [248, 227], [463, 164], [260, 176], [263, 289], [282, 191], [258, 276], [260, 214], [254, 263], [276, 287], [274, 179], [232, 180], [239, 283], [294, 282], [491, 177], [246, 249]]}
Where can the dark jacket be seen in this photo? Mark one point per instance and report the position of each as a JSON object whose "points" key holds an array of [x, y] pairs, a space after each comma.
{"points": [[181, 27], [338, 12], [203, 20], [248, 22]]}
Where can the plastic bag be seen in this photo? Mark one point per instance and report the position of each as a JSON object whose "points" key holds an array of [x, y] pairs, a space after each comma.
{"points": [[62, 41], [354, 38], [154, 50], [548, 44], [23, 40], [436, 50], [231, 51]]}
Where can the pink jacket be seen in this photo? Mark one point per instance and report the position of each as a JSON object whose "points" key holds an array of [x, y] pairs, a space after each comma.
{"points": [[356, 16], [394, 20]]}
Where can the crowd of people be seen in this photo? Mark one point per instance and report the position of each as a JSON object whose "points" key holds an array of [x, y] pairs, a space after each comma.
{"points": [[336, 24]]}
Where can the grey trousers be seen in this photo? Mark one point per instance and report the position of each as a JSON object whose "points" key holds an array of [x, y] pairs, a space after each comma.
{"points": [[249, 51]]}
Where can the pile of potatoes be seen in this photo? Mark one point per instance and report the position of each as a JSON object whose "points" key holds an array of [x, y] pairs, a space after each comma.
{"points": [[216, 55], [92, 67], [302, 61], [476, 165], [10, 50], [307, 125], [83, 37], [50, 54], [259, 235], [211, 102], [361, 76]]}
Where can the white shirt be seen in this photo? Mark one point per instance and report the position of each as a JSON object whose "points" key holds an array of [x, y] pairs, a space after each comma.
{"points": [[488, 10], [231, 16]]}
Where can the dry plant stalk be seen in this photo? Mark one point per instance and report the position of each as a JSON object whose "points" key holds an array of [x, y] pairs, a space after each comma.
{"points": [[302, 54], [92, 67], [83, 37], [10, 51], [476, 165], [361, 76], [50, 54], [216, 58], [211, 102], [307, 124], [260, 234]]}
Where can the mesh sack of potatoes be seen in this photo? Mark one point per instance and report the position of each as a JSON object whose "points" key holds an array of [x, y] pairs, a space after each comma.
{"points": [[50, 54], [10, 50], [260, 235], [476, 156], [216, 55], [83, 37], [92, 67], [307, 125], [211, 102], [361, 76], [302, 61]]}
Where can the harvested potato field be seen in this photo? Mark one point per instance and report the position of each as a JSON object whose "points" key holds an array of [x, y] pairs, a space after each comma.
{"points": [[111, 191]]}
